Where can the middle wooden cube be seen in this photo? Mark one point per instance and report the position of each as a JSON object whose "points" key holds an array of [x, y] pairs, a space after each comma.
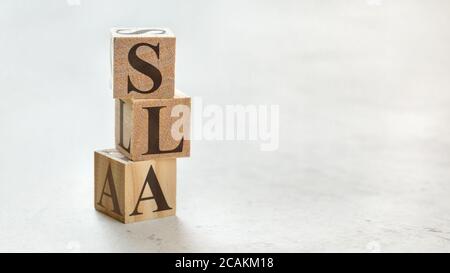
{"points": [[153, 128]]}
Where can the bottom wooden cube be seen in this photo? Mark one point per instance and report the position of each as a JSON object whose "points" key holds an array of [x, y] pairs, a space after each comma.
{"points": [[131, 191]]}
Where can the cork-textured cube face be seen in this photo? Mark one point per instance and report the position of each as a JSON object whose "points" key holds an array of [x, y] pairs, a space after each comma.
{"points": [[134, 191], [143, 63], [149, 129]]}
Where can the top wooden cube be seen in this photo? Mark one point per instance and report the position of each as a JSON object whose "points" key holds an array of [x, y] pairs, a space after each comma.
{"points": [[143, 63]]}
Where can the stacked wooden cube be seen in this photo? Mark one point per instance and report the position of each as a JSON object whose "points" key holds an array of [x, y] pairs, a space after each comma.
{"points": [[137, 180]]}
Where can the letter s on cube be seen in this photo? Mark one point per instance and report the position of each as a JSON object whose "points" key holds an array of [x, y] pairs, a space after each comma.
{"points": [[143, 63]]}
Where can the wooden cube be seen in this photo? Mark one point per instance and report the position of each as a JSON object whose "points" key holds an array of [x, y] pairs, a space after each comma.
{"points": [[133, 191], [143, 63], [157, 128]]}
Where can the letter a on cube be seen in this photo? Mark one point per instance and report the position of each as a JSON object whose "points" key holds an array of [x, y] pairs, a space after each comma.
{"points": [[150, 129], [134, 191]]}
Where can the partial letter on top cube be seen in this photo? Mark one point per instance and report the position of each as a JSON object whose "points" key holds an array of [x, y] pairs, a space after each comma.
{"points": [[143, 63]]}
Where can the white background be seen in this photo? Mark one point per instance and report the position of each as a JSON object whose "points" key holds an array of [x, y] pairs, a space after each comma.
{"points": [[364, 94]]}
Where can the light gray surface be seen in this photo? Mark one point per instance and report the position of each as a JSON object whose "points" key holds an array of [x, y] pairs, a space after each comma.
{"points": [[363, 89]]}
